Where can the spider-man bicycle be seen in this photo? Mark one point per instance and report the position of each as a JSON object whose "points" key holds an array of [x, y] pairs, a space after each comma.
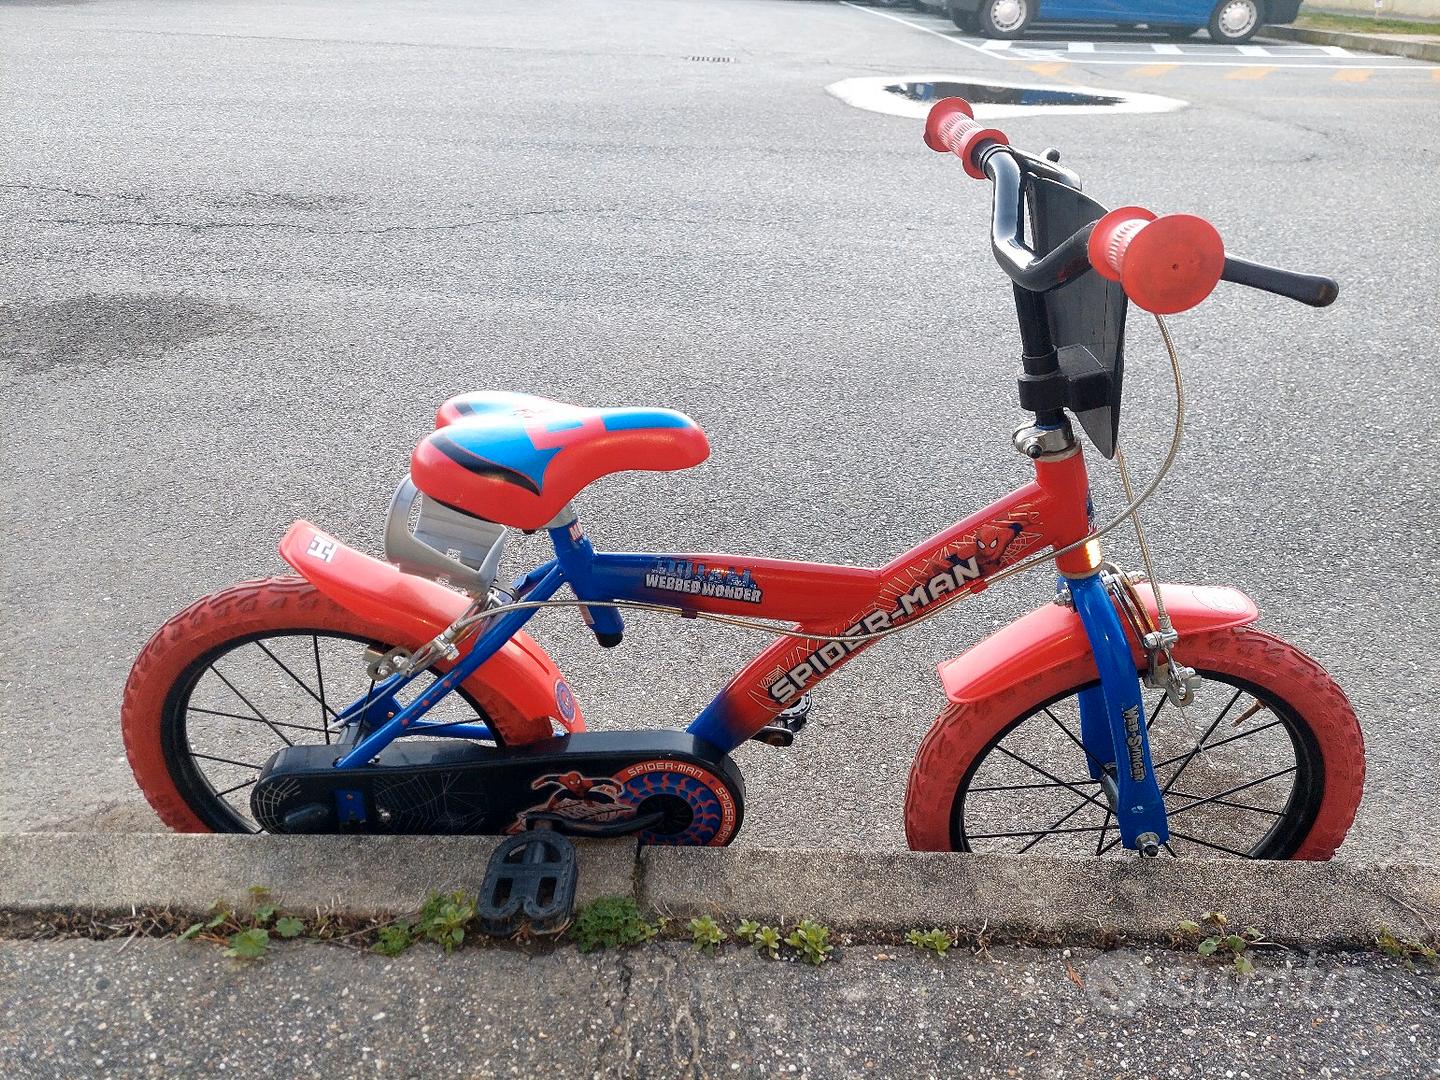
{"points": [[403, 696]]}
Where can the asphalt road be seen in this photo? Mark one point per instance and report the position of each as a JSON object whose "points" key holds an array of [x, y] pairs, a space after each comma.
{"points": [[246, 249], [91, 1008]]}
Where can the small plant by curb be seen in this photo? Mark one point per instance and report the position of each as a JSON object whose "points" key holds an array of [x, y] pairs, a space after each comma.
{"points": [[245, 935], [1220, 941], [764, 939], [707, 934], [443, 919], [811, 941], [936, 941], [611, 922], [1405, 949]]}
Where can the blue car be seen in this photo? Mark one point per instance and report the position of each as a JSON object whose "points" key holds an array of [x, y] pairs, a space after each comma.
{"points": [[1228, 21]]}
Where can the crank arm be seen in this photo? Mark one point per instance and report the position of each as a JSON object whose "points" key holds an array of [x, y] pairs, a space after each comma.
{"points": [[597, 829]]}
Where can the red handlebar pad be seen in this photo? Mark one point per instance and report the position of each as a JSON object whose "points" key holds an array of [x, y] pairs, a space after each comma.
{"points": [[951, 128], [1165, 264]]}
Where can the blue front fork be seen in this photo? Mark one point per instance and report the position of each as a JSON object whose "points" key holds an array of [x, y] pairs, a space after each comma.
{"points": [[1113, 722]]}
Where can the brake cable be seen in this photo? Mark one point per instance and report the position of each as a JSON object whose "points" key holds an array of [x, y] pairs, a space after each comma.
{"points": [[445, 646]]}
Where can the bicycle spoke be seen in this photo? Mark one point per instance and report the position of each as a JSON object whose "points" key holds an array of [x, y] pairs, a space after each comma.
{"points": [[1151, 722], [237, 787], [1029, 832], [249, 719], [1033, 787], [1051, 776], [298, 681], [1201, 744], [1234, 790], [225, 760], [320, 678], [1054, 828], [1070, 735], [251, 707], [1111, 844], [1222, 802], [1206, 843], [1104, 828]]}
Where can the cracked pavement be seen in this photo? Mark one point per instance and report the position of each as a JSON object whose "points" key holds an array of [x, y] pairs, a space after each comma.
{"points": [[159, 1008]]}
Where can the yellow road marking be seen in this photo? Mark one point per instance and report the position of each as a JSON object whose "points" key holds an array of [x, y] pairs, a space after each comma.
{"points": [[1351, 75], [1055, 69], [1150, 71], [1256, 72]]}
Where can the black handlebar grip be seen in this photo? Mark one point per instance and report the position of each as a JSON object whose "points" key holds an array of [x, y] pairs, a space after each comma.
{"points": [[1312, 289]]}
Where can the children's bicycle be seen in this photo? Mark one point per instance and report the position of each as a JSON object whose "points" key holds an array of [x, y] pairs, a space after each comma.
{"points": [[404, 696]]}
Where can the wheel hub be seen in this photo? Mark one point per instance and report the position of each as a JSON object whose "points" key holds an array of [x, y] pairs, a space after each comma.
{"points": [[1237, 17], [1007, 14]]}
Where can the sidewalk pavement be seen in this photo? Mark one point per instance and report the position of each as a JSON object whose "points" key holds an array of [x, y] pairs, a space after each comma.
{"points": [[1414, 46], [163, 1008]]}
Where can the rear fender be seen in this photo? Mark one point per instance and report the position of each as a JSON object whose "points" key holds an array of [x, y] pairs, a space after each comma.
{"points": [[1052, 636], [520, 687]]}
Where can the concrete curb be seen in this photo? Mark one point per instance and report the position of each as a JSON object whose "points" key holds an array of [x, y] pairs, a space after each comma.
{"points": [[363, 875], [1414, 49], [1336, 903]]}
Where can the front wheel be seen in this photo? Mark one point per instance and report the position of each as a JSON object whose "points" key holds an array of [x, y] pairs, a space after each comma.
{"points": [[1268, 763], [1234, 21], [969, 21], [1005, 19]]}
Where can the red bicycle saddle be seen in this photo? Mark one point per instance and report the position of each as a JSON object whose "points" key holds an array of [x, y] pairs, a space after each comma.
{"points": [[518, 459]]}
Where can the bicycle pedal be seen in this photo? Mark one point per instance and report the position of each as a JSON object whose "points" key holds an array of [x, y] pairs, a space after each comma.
{"points": [[530, 879], [782, 730]]}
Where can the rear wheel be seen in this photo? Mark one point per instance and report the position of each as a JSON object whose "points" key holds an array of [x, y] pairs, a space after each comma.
{"points": [[1268, 763], [1235, 21], [1005, 19], [234, 678]]}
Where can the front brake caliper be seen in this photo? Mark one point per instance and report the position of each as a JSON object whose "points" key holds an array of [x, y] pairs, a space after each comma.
{"points": [[1163, 671]]}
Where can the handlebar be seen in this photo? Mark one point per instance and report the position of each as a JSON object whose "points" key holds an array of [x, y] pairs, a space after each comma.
{"points": [[1165, 264]]}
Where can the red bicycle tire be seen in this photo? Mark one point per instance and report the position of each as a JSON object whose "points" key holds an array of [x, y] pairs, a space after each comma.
{"points": [[280, 604], [964, 730]]}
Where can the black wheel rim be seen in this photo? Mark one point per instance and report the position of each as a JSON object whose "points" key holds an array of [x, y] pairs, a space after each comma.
{"points": [[1256, 800], [238, 704]]}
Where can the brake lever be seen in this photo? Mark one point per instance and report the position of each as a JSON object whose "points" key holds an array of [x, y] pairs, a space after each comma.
{"points": [[1313, 289]]}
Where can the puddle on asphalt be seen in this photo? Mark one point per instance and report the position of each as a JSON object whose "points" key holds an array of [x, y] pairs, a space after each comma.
{"points": [[990, 94], [912, 96]]}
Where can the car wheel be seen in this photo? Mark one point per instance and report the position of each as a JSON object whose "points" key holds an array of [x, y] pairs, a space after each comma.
{"points": [[1234, 21], [1006, 19], [969, 21], [1178, 33]]}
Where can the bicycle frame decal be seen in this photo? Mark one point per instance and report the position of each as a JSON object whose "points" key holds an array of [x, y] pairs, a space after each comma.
{"points": [[819, 598]]}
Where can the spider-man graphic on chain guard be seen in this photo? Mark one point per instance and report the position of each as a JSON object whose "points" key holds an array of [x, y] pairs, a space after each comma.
{"points": [[671, 790]]}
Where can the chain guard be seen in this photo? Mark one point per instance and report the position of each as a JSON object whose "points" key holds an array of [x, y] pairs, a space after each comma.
{"points": [[677, 789]]}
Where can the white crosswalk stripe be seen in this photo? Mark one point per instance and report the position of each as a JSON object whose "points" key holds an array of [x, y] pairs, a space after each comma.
{"points": [[1200, 50]]}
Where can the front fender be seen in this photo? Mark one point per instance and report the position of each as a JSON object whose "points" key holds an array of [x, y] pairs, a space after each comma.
{"points": [[1052, 635], [520, 687]]}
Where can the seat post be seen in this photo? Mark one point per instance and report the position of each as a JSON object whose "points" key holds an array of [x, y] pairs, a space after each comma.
{"points": [[576, 556]]}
